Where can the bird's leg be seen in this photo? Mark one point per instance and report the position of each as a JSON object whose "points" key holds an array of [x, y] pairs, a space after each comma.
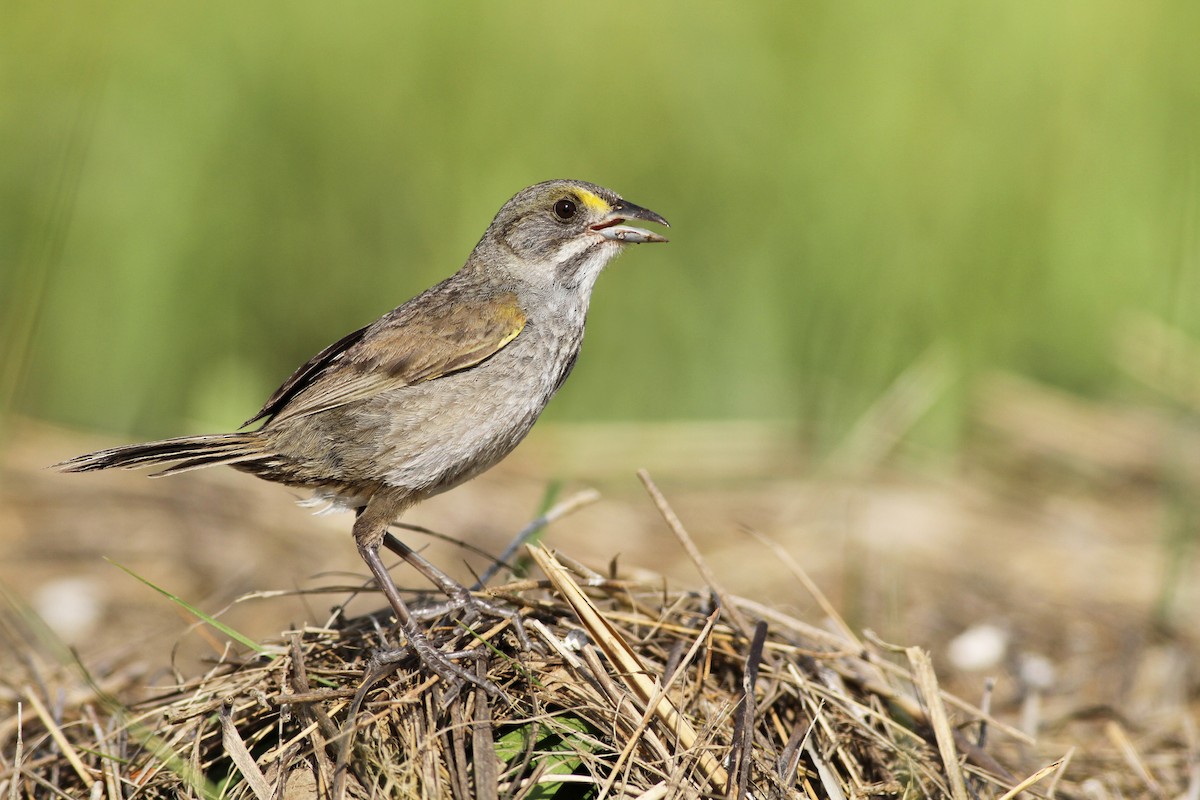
{"points": [[460, 596], [369, 530]]}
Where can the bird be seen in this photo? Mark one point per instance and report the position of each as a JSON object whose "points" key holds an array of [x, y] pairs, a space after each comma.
{"points": [[434, 392]]}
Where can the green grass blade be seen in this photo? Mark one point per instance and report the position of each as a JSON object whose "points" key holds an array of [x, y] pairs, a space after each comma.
{"points": [[188, 607]]}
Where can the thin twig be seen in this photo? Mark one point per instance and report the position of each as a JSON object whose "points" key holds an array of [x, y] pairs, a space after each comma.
{"points": [[689, 547], [1032, 779], [809, 585], [556, 512]]}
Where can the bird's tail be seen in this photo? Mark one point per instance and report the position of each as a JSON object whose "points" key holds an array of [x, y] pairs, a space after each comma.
{"points": [[190, 452]]}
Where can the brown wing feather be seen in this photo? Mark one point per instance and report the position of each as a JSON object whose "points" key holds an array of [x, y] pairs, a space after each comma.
{"points": [[424, 339], [304, 376]]}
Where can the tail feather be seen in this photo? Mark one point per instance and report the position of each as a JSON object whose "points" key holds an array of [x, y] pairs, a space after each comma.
{"points": [[211, 459], [191, 451]]}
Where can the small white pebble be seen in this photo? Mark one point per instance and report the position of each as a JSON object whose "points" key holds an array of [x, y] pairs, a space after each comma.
{"points": [[70, 606], [979, 647]]}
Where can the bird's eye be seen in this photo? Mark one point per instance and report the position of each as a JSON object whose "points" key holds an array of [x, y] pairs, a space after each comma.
{"points": [[564, 209]]}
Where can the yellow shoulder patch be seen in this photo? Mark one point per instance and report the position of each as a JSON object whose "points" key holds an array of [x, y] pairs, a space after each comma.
{"points": [[516, 318], [507, 311]]}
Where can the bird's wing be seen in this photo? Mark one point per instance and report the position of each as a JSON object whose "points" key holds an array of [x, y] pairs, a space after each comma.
{"points": [[416, 342]]}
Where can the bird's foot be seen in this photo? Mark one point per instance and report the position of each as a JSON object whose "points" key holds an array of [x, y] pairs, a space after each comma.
{"points": [[435, 660], [440, 663], [460, 597], [475, 608]]}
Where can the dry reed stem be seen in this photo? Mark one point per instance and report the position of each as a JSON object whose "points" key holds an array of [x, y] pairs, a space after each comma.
{"points": [[60, 739], [627, 663], [927, 685], [242, 759]]}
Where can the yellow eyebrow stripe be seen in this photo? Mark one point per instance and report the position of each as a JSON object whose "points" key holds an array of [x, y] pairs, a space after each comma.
{"points": [[594, 201]]}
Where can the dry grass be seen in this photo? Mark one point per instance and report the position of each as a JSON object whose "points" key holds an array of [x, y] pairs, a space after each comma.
{"points": [[1068, 531], [831, 717], [633, 689]]}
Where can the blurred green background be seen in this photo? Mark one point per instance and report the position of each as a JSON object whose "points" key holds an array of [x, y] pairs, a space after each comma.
{"points": [[194, 198]]}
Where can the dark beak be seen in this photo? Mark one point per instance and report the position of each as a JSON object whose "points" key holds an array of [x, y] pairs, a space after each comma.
{"points": [[613, 227]]}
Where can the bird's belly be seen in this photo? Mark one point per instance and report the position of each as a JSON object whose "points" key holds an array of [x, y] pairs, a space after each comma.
{"points": [[427, 437], [450, 430]]}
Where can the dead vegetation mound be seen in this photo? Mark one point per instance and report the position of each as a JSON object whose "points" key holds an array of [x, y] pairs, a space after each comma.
{"points": [[631, 689]]}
